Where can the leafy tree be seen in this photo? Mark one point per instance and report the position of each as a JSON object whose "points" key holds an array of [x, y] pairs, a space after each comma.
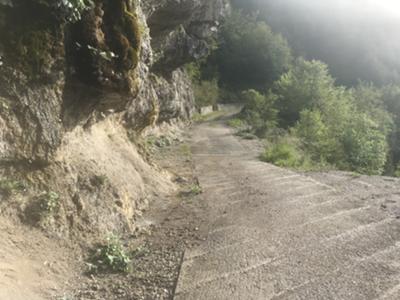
{"points": [[346, 128], [314, 134], [259, 111], [305, 85], [250, 54], [391, 100], [365, 145], [369, 99]]}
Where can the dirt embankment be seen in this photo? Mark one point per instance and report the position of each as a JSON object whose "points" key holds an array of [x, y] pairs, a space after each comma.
{"points": [[37, 267], [173, 224]]}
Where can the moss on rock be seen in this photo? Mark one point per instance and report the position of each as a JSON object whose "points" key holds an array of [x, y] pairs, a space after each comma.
{"points": [[31, 38], [32, 51], [110, 29], [124, 37]]}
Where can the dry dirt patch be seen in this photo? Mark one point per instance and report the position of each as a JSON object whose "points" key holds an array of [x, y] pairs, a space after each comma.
{"points": [[32, 266], [171, 226]]}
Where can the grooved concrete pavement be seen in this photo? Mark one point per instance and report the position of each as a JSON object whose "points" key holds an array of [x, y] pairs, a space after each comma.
{"points": [[277, 234]]}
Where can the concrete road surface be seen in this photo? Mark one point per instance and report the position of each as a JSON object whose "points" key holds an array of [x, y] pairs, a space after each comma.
{"points": [[278, 234]]}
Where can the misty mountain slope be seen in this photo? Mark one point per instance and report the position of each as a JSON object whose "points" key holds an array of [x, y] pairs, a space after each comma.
{"points": [[360, 34]]}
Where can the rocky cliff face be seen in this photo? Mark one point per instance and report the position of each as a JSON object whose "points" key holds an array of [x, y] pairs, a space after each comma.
{"points": [[178, 32], [75, 80]]}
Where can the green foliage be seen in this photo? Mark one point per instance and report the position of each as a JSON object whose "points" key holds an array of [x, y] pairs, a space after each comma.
{"points": [[206, 93], [305, 85], [250, 54], [365, 145], [237, 123], [259, 111], [391, 100], [314, 135], [397, 172], [195, 189], [330, 124], [44, 206], [34, 45], [194, 71], [73, 9], [205, 88], [346, 128], [153, 141], [8, 187], [370, 100], [162, 141], [111, 256], [191, 191], [48, 203], [111, 63], [284, 154]]}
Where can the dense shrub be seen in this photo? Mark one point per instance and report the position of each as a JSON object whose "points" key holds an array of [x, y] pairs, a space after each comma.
{"points": [[334, 125], [304, 86], [259, 111], [284, 153], [365, 145], [391, 100], [314, 135]]}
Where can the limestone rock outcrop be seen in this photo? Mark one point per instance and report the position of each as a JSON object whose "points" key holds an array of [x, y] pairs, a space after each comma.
{"points": [[75, 80]]}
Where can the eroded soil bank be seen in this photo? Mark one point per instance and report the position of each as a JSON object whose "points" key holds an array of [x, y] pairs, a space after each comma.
{"points": [[38, 267]]}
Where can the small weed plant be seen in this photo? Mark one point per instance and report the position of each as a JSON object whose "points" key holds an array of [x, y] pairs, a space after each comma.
{"points": [[112, 256], [99, 180], [48, 203], [9, 187], [196, 189], [236, 123]]}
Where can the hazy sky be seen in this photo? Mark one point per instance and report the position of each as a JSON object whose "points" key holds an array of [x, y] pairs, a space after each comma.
{"points": [[389, 7]]}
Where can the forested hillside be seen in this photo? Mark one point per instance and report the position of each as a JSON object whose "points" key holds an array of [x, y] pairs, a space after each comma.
{"points": [[316, 106], [362, 34]]}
